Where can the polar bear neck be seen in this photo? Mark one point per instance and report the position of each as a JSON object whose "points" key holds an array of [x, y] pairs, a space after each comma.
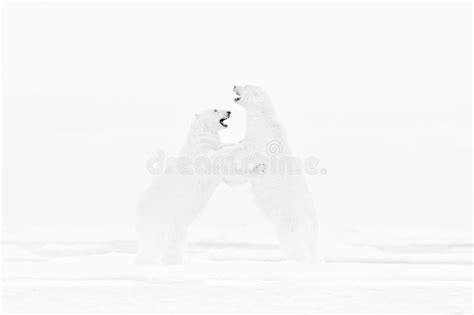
{"points": [[200, 140]]}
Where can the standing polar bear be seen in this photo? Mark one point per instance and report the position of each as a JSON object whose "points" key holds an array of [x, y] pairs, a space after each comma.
{"points": [[282, 195], [175, 198]]}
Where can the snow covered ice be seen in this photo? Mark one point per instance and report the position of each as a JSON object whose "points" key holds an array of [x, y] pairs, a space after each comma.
{"points": [[237, 269]]}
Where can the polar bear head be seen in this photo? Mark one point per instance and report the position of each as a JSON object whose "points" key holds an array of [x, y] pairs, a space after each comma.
{"points": [[212, 119], [252, 98]]}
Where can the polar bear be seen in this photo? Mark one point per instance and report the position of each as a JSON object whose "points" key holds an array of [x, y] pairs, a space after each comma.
{"points": [[175, 198], [281, 194]]}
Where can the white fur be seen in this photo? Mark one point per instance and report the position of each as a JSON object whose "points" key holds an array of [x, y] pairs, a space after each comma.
{"points": [[175, 198], [283, 197]]}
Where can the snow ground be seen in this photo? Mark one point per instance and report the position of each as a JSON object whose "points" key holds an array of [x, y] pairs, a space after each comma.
{"points": [[238, 271]]}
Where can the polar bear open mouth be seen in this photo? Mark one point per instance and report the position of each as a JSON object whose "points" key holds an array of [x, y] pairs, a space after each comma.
{"points": [[238, 96], [221, 121]]}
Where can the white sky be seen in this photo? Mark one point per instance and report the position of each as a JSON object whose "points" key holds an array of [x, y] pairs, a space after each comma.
{"points": [[380, 93]]}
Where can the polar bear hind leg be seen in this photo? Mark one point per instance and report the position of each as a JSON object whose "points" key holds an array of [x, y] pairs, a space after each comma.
{"points": [[149, 243], [310, 238], [173, 251], [291, 239], [177, 233]]}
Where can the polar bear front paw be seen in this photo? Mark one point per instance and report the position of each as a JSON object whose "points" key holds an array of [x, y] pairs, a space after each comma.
{"points": [[260, 169]]}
